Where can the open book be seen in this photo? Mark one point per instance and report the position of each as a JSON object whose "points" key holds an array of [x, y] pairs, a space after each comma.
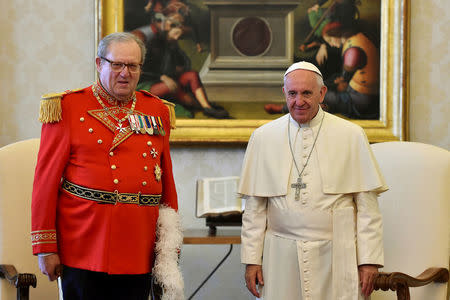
{"points": [[218, 196]]}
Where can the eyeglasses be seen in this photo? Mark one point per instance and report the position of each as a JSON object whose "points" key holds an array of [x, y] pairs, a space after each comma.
{"points": [[119, 66]]}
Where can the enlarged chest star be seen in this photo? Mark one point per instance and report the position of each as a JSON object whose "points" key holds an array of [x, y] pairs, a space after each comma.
{"points": [[158, 173]]}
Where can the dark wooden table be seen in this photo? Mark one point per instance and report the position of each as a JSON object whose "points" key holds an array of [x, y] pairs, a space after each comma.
{"points": [[202, 236]]}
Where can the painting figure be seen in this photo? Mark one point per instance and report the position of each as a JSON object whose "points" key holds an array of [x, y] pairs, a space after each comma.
{"points": [[157, 9], [348, 59], [167, 69], [355, 91]]}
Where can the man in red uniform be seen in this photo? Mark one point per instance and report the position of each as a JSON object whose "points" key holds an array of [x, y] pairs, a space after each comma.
{"points": [[103, 173]]}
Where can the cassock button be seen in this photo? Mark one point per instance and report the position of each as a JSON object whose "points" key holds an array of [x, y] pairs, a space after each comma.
{"points": [[145, 168], [116, 181], [149, 143], [99, 141], [111, 153], [91, 130], [113, 167], [144, 154], [144, 183], [81, 119]]}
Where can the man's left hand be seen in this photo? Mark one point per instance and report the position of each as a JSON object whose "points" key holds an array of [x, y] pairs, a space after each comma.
{"points": [[367, 275]]}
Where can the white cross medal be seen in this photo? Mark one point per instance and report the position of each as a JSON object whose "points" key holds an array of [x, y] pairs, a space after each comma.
{"points": [[120, 128], [298, 186]]}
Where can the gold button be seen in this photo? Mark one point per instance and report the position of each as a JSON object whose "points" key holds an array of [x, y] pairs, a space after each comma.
{"points": [[144, 154], [116, 181], [91, 130], [99, 141], [81, 119], [149, 143], [144, 183], [111, 153], [113, 167], [145, 168]]}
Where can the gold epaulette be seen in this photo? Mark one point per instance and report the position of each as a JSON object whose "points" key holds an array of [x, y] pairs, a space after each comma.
{"points": [[170, 106], [50, 110], [173, 118]]}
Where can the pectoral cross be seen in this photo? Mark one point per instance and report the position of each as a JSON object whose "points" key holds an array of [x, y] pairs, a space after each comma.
{"points": [[298, 186]]}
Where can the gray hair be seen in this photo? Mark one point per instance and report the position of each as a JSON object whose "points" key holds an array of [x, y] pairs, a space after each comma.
{"points": [[120, 37]]}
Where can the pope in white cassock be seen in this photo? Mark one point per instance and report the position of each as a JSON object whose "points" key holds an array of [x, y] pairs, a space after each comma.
{"points": [[311, 226]]}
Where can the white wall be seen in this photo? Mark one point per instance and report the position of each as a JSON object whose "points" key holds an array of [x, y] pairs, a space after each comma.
{"points": [[48, 46]]}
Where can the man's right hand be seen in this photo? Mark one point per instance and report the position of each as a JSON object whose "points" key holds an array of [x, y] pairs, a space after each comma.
{"points": [[50, 265], [253, 276]]}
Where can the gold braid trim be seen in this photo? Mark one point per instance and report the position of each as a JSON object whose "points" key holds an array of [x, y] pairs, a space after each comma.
{"points": [[50, 110], [173, 118]]}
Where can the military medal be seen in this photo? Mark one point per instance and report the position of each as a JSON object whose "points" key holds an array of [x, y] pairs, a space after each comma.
{"points": [[163, 132], [134, 123], [155, 126], [141, 124], [149, 127]]}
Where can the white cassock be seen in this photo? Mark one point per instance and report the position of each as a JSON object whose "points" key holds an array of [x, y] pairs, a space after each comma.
{"points": [[310, 248]]}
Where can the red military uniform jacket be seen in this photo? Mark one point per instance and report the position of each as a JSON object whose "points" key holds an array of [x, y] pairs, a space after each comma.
{"points": [[87, 149]]}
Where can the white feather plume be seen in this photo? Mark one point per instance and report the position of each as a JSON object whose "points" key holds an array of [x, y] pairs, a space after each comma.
{"points": [[169, 240]]}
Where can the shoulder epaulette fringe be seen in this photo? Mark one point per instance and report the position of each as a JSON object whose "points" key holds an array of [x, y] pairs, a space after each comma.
{"points": [[50, 110], [173, 118]]}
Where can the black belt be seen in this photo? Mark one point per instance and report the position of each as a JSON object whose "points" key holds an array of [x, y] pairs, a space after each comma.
{"points": [[109, 197]]}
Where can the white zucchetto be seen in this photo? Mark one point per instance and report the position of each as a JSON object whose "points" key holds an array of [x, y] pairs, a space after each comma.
{"points": [[303, 65]]}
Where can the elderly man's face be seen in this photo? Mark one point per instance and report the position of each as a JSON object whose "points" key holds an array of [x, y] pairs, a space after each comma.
{"points": [[120, 84], [303, 94]]}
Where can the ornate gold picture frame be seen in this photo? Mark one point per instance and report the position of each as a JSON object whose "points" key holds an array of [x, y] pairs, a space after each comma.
{"points": [[394, 68]]}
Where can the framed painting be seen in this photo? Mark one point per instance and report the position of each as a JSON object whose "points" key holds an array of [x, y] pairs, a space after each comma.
{"points": [[222, 62]]}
